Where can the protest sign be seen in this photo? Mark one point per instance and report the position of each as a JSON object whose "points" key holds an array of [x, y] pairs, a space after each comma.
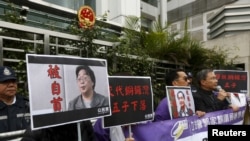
{"points": [[180, 101], [131, 100], [57, 81], [232, 80]]}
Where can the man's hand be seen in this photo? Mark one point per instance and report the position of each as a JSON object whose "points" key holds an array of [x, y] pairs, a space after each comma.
{"points": [[222, 94], [234, 107], [200, 113], [130, 139]]}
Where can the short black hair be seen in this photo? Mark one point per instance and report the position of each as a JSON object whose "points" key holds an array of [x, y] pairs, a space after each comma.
{"points": [[172, 75], [89, 72], [181, 93]]}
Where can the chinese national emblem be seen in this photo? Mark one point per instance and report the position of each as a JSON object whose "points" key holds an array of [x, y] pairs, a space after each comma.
{"points": [[86, 17]]}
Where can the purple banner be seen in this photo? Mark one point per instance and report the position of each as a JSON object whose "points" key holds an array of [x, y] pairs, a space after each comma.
{"points": [[186, 129]]}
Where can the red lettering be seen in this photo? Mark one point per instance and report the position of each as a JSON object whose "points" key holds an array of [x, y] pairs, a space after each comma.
{"points": [[125, 106], [56, 104], [129, 90], [143, 105], [115, 108], [53, 72], [134, 104], [55, 88]]}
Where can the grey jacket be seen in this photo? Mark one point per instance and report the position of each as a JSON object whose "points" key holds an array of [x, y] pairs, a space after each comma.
{"points": [[98, 101]]}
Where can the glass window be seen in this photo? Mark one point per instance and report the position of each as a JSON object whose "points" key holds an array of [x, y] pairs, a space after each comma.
{"points": [[73, 4]]}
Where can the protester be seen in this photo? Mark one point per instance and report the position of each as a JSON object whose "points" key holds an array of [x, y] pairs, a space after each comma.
{"points": [[14, 108], [184, 110], [116, 133], [206, 98], [67, 132], [88, 98], [177, 77]]}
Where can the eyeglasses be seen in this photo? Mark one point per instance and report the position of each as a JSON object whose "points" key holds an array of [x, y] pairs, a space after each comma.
{"points": [[185, 78], [82, 78]]}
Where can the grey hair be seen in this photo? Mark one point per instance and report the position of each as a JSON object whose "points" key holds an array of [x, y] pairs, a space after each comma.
{"points": [[202, 75]]}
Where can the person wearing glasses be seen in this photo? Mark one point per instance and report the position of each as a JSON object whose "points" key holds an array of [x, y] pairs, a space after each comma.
{"points": [[14, 108], [176, 77], [88, 98], [205, 98]]}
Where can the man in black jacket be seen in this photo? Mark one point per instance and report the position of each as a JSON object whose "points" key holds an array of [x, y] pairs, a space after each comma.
{"points": [[14, 108], [208, 98], [67, 132]]}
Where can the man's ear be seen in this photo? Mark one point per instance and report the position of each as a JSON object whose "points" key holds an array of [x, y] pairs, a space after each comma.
{"points": [[203, 82], [174, 83]]}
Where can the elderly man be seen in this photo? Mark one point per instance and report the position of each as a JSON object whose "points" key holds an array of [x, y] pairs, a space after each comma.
{"points": [[206, 98], [14, 108]]}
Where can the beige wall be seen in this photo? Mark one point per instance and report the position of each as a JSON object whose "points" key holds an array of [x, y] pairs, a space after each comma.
{"points": [[240, 44]]}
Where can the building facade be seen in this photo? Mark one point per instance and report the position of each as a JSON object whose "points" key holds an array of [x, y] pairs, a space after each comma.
{"points": [[209, 21]]}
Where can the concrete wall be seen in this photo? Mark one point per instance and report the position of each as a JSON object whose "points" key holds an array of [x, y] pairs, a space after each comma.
{"points": [[240, 41], [119, 9]]}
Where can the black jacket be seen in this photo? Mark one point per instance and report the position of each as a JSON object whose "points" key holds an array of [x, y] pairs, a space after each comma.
{"points": [[15, 117], [207, 101], [67, 132]]}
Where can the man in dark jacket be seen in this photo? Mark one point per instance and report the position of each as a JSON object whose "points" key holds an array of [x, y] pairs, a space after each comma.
{"points": [[67, 132], [206, 98], [14, 108]]}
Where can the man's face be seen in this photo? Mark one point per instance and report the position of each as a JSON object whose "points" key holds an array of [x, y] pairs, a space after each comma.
{"points": [[181, 99], [8, 88], [210, 83], [84, 82], [182, 80]]}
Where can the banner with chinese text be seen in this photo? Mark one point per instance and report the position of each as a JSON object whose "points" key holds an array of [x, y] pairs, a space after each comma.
{"points": [[190, 128]]}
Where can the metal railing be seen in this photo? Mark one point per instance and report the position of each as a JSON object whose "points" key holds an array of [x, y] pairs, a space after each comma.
{"points": [[12, 136], [42, 41]]}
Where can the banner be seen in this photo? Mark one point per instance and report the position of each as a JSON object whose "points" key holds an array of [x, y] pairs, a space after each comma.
{"points": [[190, 128]]}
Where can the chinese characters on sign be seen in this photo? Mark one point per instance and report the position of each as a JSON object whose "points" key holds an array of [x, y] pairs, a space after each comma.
{"points": [[53, 73], [53, 85], [130, 97], [232, 81], [129, 91]]}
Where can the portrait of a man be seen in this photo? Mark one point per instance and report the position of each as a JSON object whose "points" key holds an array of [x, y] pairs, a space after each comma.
{"points": [[183, 110]]}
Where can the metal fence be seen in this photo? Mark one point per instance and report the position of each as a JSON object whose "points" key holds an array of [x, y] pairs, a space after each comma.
{"points": [[18, 40]]}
